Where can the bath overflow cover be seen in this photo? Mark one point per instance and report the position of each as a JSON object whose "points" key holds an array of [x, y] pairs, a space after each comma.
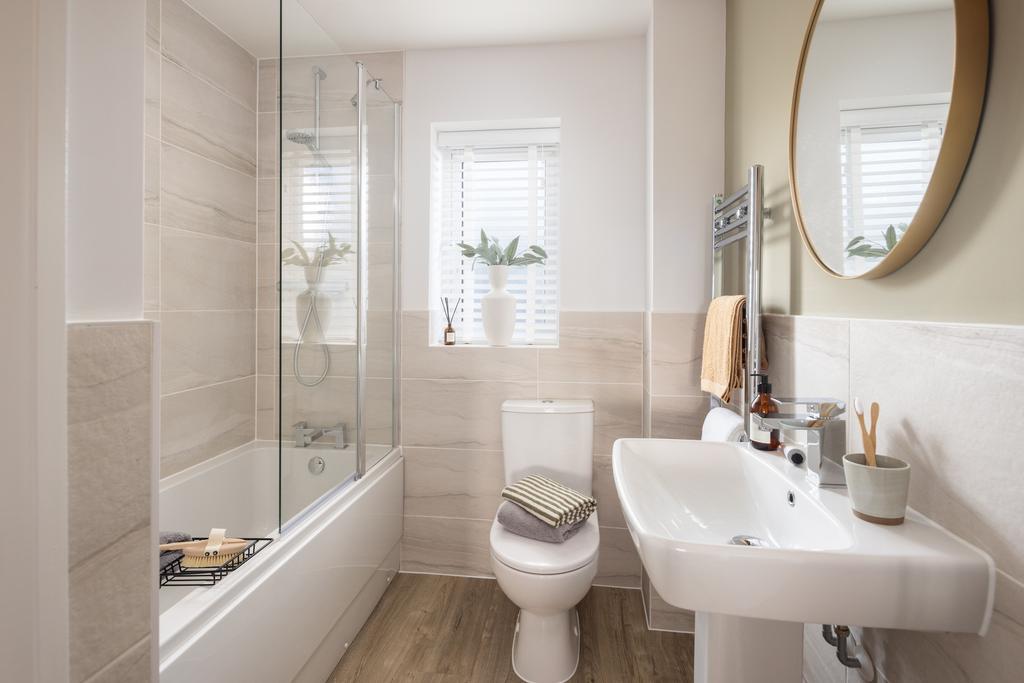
{"points": [[316, 465]]}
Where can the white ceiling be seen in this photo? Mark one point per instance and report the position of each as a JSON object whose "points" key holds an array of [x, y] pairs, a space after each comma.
{"points": [[858, 9], [325, 26]]}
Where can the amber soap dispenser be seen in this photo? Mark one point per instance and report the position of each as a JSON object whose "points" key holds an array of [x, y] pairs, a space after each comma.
{"points": [[763, 405]]}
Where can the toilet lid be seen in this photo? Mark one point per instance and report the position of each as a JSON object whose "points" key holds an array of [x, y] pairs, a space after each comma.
{"points": [[538, 557]]}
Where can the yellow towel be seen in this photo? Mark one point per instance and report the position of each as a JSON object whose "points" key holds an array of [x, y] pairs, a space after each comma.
{"points": [[721, 368]]}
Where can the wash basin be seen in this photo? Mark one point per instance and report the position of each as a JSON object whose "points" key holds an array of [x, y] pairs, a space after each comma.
{"points": [[724, 529]]}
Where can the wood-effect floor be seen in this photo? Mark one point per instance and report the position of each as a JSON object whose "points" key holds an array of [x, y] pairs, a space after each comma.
{"points": [[443, 629]]}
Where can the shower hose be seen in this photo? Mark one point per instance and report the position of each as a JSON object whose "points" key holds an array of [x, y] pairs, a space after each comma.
{"points": [[312, 316]]}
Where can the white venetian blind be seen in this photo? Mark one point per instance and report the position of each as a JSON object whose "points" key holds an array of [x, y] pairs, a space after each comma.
{"points": [[887, 155], [505, 182], [318, 198]]}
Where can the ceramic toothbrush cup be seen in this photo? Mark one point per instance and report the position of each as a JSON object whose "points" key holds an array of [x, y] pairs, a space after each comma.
{"points": [[877, 494]]}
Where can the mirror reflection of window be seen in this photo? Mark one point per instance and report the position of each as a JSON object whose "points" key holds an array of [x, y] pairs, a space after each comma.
{"points": [[887, 150]]}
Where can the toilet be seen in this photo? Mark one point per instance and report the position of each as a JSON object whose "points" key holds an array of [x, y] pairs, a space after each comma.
{"points": [[547, 580]]}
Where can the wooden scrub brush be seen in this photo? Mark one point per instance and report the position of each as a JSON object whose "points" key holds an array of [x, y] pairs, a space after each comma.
{"points": [[211, 552]]}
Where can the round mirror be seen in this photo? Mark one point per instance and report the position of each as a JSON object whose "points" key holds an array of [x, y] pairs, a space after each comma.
{"points": [[886, 105]]}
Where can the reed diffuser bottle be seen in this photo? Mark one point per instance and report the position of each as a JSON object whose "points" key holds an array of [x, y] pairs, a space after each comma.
{"points": [[449, 315]]}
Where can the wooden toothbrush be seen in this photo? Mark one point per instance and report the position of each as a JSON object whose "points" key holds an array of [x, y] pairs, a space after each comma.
{"points": [[869, 445], [874, 431]]}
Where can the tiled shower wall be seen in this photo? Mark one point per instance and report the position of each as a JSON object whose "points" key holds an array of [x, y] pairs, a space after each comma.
{"points": [[451, 414], [201, 232], [949, 397]]}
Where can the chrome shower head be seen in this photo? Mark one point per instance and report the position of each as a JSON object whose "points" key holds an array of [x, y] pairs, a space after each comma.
{"points": [[301, 137]]}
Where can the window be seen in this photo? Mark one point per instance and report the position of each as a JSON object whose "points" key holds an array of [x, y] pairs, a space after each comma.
{"points": [[887, 152], [318, 193], [504, 181]]}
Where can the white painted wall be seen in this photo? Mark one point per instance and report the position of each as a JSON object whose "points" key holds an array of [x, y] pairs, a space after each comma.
{"points": [[33, 393], [105, 163], [597, 90], [686, 116]]}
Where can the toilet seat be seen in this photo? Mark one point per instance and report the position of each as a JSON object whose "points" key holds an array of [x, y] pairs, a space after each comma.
{"points": [[537, 557]]}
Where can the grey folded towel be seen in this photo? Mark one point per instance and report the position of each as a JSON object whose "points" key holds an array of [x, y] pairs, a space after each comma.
{"points": [[174, 537], [523, 523], [169, 556]]}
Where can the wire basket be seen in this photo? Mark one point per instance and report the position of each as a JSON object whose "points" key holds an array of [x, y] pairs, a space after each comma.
{"points": [[174, 574]]}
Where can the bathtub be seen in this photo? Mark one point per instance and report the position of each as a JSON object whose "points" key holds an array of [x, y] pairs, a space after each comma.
{"points": [[289, 613]]}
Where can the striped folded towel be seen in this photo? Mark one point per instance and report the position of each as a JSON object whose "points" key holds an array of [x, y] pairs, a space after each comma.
{"points": [[549, 501]]}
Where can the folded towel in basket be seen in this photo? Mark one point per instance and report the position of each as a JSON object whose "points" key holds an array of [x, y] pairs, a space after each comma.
{"points": [[553, 503], [520, 522], [167, 557]]}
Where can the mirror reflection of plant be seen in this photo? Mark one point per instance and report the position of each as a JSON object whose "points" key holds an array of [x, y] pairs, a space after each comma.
{"points": [[490, 252], [865, 248], [327, 254]]}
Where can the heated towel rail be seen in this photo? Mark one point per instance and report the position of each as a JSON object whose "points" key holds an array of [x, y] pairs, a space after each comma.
{"points": [[734, 218]]}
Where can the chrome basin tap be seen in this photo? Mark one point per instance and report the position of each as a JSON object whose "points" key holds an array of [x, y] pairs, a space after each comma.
{"points": [[813, 436]]}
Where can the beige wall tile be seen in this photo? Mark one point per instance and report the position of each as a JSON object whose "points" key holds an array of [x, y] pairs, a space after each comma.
{"points": [[203, 196], [110, 385], [110, 601], [595, 347], [267, 82], [205, 347], [453, 483], [330, 402], [266, 211], [153, 24], [443, 545], [205, 273], [267, 294], [380, 343], [151, 181], [110, 380], [152, 90], [197, 45], [677, 417], [201, 423], [150, 267], [202, 119], [676, 349], [456, 414], [267, 343], [618, 563], [946, 391], [618, 408], [609, 509], [133, 665], [422, 361], [808, 356], [267, 146], [266, 407], [335, 90]]}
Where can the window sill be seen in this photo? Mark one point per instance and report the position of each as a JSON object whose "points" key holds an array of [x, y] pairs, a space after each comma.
{"points": [[439, 345]]}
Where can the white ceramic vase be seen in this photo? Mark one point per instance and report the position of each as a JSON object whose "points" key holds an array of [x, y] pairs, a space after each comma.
{"points": [[313, 329], [499, 308]]}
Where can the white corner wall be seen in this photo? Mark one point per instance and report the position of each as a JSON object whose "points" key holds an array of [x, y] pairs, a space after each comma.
{"points": [[597, 90], [686, 148], [104, 159]]}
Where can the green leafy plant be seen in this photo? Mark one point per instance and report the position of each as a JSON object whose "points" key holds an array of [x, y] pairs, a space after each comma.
{"points": [[865, 248], [327, 254], [490, 252]]}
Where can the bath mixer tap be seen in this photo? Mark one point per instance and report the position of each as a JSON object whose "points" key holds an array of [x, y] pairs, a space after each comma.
{"points": [[337, 432], [304, 435]]}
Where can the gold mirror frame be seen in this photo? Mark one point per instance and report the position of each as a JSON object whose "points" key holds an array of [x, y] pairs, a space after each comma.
{"points": [[970, 72]]}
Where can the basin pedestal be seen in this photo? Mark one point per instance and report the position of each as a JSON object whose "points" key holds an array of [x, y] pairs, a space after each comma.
{"points": [[731, 649]]}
